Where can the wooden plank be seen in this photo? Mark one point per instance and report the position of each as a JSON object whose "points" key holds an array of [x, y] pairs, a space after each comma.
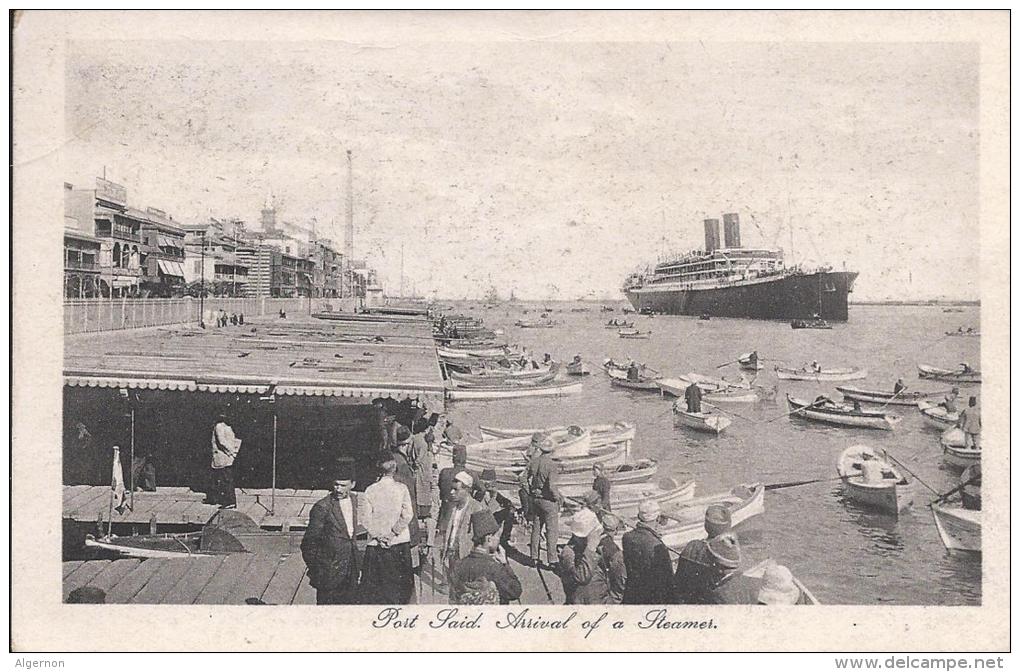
{"points": [[173, 512], [284, 584], [71, 566], [160, 583], [198, 576], [305, 593], [135, 581], [86, 498], [72, 491], [112, 575], [230, 572], [83, 575], [255, 580]]}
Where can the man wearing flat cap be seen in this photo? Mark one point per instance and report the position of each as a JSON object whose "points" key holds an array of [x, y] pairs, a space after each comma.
{"points": [[328, 546], [649, 570], [543, 473], [484, 567], [698, 571]]}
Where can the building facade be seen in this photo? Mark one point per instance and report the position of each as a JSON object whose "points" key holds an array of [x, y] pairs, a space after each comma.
{"points": [[212, 261], [163, 267]]}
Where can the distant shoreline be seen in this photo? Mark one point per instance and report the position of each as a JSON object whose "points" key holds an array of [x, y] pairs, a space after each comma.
{"points": [[888, 302], [930, 302]]}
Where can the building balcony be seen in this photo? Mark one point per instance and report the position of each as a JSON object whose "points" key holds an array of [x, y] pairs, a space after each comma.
{"points": [[76, 265], [114, 270]]}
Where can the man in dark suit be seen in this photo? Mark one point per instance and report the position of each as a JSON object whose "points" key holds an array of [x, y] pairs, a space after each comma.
{"points": [[329, 547], [649, 570]]}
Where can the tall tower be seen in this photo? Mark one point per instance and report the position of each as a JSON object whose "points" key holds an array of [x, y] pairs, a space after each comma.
{"points": [[349, 228], [269, 215]]}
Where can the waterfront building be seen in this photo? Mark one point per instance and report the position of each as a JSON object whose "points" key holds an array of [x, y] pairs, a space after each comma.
{"points": [[224, 270], [163, 268]]}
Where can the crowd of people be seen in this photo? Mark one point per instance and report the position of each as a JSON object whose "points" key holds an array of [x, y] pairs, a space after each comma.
{"points": [[456, 521]]}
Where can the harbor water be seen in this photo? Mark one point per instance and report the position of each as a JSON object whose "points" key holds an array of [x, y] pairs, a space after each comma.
{"points": [[846, 555]]}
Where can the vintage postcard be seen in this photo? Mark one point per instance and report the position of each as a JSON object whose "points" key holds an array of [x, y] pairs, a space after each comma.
{"points": [[514, 331]]}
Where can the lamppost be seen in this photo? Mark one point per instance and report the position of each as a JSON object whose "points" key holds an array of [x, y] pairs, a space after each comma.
{"points": [[201, 290]]}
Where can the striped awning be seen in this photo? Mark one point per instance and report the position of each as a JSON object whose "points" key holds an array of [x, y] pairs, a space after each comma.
{"points": [[171, 268]]}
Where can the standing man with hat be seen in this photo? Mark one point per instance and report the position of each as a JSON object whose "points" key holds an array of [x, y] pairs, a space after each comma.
{"points": [[584, 581], [649, 570], [602, 486], [446, 476], [778, 587], [485, 564], [501, 508], [387, 576], [405, 475], [545, 498], [225, 447], [970, 423], [328, 546], [610, 558], [457, 542]]}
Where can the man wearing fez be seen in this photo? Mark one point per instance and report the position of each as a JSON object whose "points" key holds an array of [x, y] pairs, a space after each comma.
{"points": [[387, 576], [485, 564], [501, 508], [328, 546], [649, 570], [446, 483]]}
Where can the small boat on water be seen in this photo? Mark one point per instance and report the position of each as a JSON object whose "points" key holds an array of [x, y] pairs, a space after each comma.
{"points": [[904, 398], [712, 391], [820, 375], [580, 481], [816, 323], [625, 499], [634, 333], [621, 324], [643, 384], [960, 375], [872, 481], [548, 324], [473, 353], [493, 375], [686, 521], [570, 441], [578, 369], [513, 391], [749, 361], [827, 411], [509, 467], [963, 332], [617, 432], [936, 415], [958, 521], [955, 453], [758, 572], [712, 423], [227, 532]]}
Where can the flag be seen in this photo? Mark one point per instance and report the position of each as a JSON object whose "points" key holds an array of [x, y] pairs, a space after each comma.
{"points": [[117, 480]]}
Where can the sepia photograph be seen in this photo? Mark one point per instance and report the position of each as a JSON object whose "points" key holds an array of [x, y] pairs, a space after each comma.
{"points": [[506, 320]]}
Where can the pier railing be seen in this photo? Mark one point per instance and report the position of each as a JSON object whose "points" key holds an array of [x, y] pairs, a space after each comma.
{"points": [[92, 315]]}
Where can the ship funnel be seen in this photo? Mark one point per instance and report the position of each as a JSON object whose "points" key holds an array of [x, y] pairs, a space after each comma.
{"points": [[711, 235], [731, 229]]}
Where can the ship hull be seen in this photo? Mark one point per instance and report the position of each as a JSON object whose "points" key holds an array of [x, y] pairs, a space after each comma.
{"points": [[784, 298]]}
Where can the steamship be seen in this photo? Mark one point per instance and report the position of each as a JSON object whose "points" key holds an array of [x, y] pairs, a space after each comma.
{"points": [[727, 280]]}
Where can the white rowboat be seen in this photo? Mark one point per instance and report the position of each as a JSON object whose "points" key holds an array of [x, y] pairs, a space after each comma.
{"points": [[841, 414], [937, 416], [904, 398], [509, 392], [888, 494], [825, 375], [712, 423]]}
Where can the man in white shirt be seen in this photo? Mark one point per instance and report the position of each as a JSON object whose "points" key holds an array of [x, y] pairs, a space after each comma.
{"points": [[457, 542], [387, 576], [225, 447]]}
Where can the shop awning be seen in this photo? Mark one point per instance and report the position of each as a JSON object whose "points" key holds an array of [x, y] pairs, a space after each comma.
{"points": [[171, 268]]}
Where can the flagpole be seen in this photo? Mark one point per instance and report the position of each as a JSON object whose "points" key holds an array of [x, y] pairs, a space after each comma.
{"points": [[109, 524], [132, 480]]}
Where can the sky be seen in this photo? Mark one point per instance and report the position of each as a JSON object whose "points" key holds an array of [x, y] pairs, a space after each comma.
{"points": [[548, 168]]}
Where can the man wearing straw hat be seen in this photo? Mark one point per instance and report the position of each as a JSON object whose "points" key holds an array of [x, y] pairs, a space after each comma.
{"points": [[778, 587], [545, 498], [649, 570]]}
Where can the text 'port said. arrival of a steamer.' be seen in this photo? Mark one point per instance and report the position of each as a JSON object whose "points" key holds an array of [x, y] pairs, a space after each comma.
{"points": [[732, 281]]}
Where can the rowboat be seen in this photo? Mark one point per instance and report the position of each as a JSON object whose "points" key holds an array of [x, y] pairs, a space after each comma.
{"points": [[534, 325], [581, 480], [646, 384], [823, 375], [627, 498], [936, 415], [713, 423], [619, 325], [958, 376], [227, 532], [954, 451], [959, 521], [448, 353], [904, 398], [508, 470], [887, 491], [745, 362], [470, 381], [577, 369], [713, 393], [758, 572], [840, 414], [634, 333], [491, 376], [810, 324], [509, 391], [686, 522], [608, 365], [617, 432], [567, 442]]}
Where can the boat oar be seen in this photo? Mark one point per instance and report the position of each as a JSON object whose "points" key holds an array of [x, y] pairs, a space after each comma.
{"points": [[907, 469], [735, 361], [790, 412], [947, 495], [891, 398], [793, 484], [726, 412]]}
